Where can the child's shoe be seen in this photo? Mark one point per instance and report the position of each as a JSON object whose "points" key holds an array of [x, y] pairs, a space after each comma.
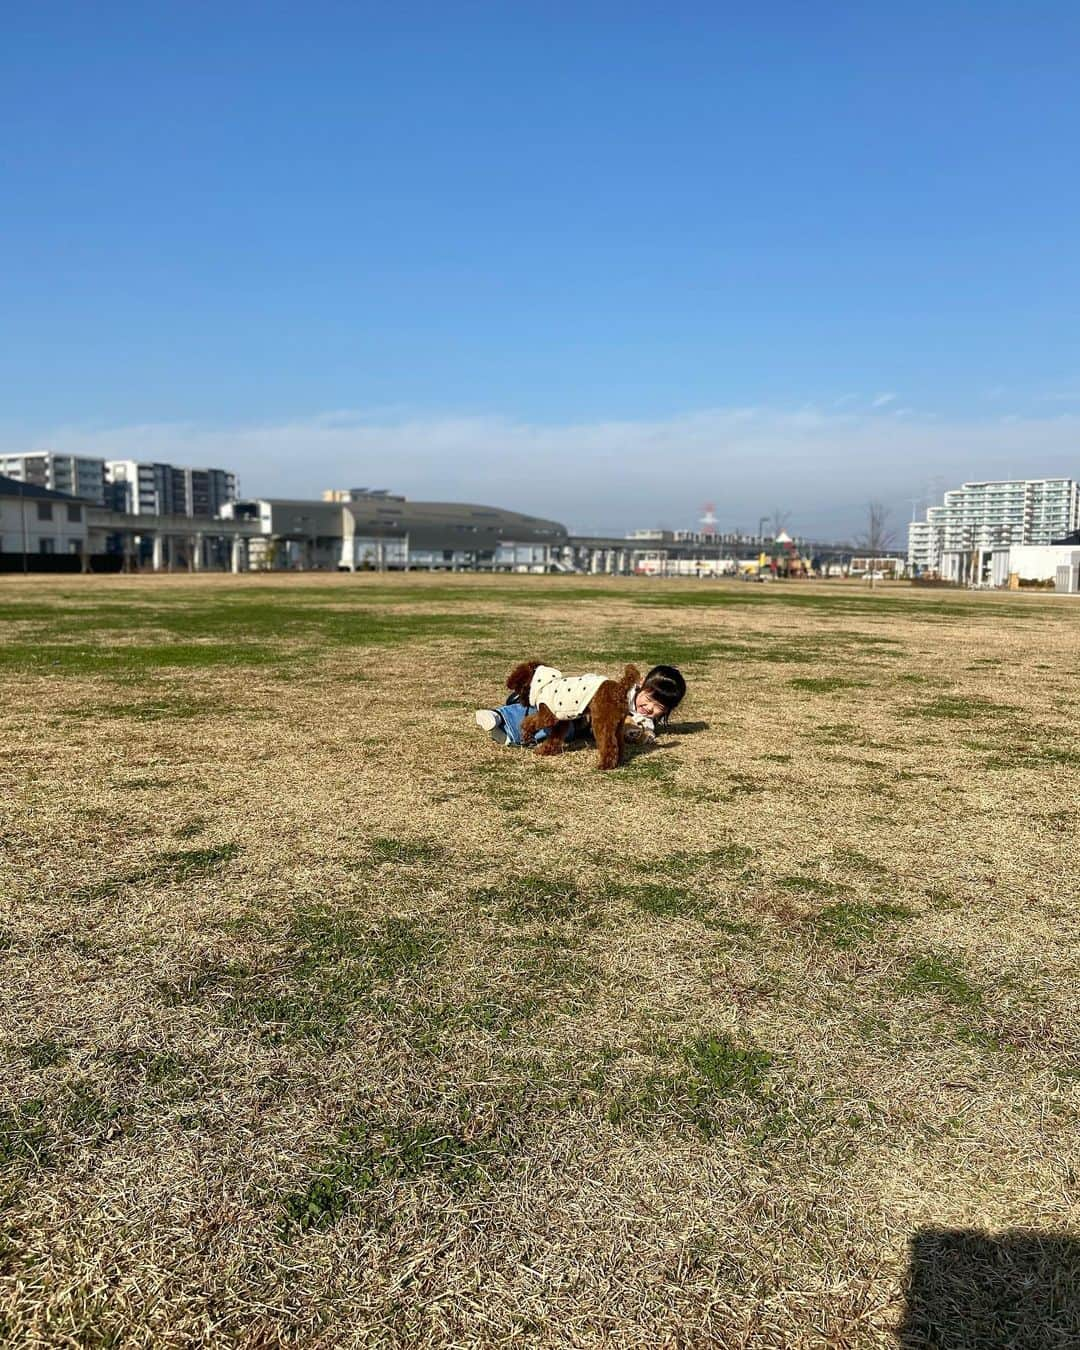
{"points": [[487, 719]]}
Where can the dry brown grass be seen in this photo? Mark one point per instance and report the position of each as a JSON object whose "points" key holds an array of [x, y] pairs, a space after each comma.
{"points": [[328, 1023]]}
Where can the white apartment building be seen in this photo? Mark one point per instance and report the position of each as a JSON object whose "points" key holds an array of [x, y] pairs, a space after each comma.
{"points": [[78, 475], [142, 488], [923, 553], [957, 540]]}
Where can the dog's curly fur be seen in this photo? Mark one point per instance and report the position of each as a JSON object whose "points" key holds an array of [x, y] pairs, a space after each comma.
{"points": [[606, 714]]}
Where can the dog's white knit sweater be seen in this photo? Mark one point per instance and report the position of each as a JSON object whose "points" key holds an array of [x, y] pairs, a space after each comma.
{"points": [[566, 695]]}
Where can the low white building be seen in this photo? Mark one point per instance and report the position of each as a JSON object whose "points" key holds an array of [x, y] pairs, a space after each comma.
{"points": [[36, 522], [657, 564], [1032, 564]]}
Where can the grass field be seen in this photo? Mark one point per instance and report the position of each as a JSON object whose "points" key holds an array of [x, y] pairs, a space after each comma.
{"points": [[328, 1023]]}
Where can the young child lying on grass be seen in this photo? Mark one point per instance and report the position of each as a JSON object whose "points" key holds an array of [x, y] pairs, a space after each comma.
{"points": [[649, 704]]}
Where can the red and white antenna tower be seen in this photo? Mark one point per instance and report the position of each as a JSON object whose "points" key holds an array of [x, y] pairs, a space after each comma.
{"points": [[708, 520]]}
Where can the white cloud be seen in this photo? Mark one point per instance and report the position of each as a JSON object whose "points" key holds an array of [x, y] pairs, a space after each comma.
{"points": [[821, 466], [882, 399]]}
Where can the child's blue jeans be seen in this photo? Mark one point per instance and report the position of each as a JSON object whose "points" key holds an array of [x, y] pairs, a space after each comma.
{"points": [[513, 714]]}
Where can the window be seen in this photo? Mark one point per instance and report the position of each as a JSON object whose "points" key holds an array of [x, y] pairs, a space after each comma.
{"points": [[74, 514], [46, 545], [74, 546], [44, 510]]}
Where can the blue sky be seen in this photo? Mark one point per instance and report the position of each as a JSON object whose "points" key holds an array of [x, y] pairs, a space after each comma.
{"points": [[666, 253]]}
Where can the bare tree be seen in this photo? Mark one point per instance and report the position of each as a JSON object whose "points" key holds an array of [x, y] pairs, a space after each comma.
{"points": [[878, 535]]}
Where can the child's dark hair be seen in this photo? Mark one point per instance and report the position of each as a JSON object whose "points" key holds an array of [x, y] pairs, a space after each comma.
{"points": [[667, 686]]}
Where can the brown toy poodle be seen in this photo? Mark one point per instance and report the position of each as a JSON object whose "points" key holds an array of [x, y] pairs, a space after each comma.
{"points": [[605, 712]]}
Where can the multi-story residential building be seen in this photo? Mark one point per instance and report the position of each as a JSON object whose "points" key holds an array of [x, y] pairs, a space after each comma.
{"points": [[959, 538], [207, 490], [77, 475], [923, 554], [143, 488]]}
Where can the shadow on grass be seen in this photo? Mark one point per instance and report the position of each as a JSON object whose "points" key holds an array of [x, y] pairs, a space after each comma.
{"points": [[969, 1291]]}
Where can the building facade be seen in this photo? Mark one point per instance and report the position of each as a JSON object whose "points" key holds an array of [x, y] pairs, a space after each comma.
{"points": [[382, 532], [958, 539], [923, 553], [77, 475], [36, 522], [140, 487]]}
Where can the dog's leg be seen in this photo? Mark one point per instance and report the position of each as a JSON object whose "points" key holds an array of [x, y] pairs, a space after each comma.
{"points": [[608, 731], [555, 741], [540, 720]]}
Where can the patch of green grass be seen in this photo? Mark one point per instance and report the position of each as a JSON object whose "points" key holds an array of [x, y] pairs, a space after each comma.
{"points": [[500, 780], [550, 967], [958, 708], [89, 1115], [406, 851], [1032, 754], [368, 1156], [177, 867], [155, 1067], [399, 946], [725, 1067], [24, 1134], [194, 986], [942, 976], [210, 631], [943, 900], [837, 733], [681, 863], [44, 1053], [664, 901], [826, 684], [848, 923], [919, 608], [655, 767], [186, 864], [332, 966], [802, 885], [74, 658], [713, 1071], [534, 897], [171, 708], [855, 861], [979, 1038]]}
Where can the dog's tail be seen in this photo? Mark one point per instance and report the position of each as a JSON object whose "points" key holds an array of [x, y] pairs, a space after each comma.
{"points": [[630, 676]]}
